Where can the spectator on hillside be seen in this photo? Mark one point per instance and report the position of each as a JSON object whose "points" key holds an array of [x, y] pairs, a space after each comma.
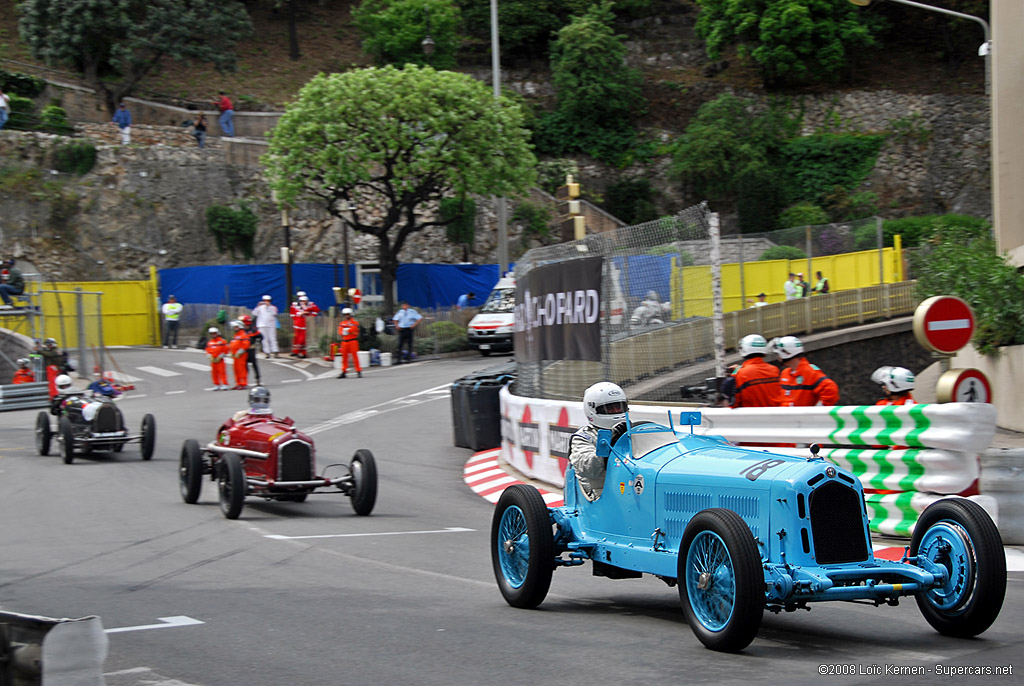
{"points": [[805, 288], [792, 288], [227, 115], [822, 286], [760, 302], [123, 120], [199, 129], [5, 108], [11, 282]]}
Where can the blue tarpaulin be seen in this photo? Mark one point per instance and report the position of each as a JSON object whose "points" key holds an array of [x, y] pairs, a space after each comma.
{"points": [[422, 285]]}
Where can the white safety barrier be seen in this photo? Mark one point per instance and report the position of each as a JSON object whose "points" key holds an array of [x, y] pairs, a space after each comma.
{"points": [[943, 441]]}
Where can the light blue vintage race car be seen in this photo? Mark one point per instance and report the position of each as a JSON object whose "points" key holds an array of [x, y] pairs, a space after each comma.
{"points": [[741, 530]]}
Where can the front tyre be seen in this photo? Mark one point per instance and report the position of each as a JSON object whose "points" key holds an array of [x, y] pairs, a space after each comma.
{"points": [[231, 485], [364, 482], [522, 546], [960, 536], [67, 437], [190, 471], [43, 433], [721, 585], [148, 442]]}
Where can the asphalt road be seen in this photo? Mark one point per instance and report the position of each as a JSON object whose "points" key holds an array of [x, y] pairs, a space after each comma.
{"points": [[312, 594]]}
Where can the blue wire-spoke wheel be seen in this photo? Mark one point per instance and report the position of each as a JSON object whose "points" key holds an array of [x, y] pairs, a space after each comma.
{"points": [[522, 546], [710, 580], [721, 582], [958, 535]]}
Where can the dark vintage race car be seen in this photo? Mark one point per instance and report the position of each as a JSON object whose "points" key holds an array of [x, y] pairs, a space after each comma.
{"points": [[91, 424], [266, 457], [740, 531]]}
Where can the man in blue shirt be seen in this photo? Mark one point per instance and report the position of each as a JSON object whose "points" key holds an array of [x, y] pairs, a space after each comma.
{"points": [[406, 319], [123, 120], [464, 300]]}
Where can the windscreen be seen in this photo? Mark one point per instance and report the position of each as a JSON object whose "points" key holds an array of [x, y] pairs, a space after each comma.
{"points": [[645, 442], [500, 301]]}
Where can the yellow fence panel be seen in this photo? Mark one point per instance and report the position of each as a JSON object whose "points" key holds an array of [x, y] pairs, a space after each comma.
{"points": [[129, 312]]}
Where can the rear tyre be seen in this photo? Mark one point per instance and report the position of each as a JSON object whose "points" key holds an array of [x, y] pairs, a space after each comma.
{"points": [[67, 437], [522, 546], [364, 481], [190, 471], [960, 536], [231, 485], [43, 433], [148, 442], [721, 584]]}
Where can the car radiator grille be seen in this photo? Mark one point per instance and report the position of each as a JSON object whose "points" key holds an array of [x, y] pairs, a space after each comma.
{"points": [[106, 419], [837, 524], [295, 461]]}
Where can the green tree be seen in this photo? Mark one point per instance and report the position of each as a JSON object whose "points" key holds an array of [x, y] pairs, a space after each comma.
{"points": [[790, 40], [461, 214], [115, 43], [526, 26], [395, 142], [598, 95], [394, 31]]}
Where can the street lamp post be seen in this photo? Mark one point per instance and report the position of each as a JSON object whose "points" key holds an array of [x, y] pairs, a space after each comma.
{"points": [[496, 81], [428, 43], [349, 209], [286, 251]]}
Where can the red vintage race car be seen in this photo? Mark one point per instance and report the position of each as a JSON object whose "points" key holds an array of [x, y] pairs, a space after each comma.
{"points": [[257, 454]]}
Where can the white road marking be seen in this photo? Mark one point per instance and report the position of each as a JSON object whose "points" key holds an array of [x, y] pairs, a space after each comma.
{"points": [[396, 404], [121, 377], [151, 678], [949, 324], [290, 365], [291, 381], [174, 392], [448, 530], [166, 623], [158, 371], [194, 365]]}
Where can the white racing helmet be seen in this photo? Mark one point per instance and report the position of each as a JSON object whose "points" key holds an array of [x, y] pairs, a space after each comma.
{"points": [[63, 383], [237, 324], [788, 347], [753, 344], [213, 329], [899, 380], [878, 376], [605, 405], [346, 310]]}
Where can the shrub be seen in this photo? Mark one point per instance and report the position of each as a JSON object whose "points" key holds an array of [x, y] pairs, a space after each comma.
{"points": [[915, 230], [75, 158], [25, 85], [551, 174], [54, 119], [783, 252], [536, 219], [450, 337], [956, 260], [803, 214], [22, 114], [232, 228], [815, 165], [394, 31], [460, 213], [631, 200]]}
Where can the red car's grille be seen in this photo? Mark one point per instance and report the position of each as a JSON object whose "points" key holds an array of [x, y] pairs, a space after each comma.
{"points": [[295, 461]]}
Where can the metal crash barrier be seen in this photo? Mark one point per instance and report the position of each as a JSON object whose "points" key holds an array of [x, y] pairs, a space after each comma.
{"points": [[44, 651], [476, 419], [24, 396], [906, 456]]}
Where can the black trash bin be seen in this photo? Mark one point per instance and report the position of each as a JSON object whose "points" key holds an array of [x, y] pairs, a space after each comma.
{"points": [[459, 415], [476, 407]]}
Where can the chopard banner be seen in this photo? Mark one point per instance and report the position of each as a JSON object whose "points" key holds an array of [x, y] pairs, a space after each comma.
{"points": [[558, 312]]}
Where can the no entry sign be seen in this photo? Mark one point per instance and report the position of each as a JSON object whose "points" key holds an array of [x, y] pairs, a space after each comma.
{"points": [[943, 323], [963, 386]]}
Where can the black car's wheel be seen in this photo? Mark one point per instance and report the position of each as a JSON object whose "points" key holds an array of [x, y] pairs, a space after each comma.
{"points": [[364, 481], [721, 584], [67, 437], [43, 433], [960, 536], [231, 485], [148, 442], [190, 471], [522, 546]]}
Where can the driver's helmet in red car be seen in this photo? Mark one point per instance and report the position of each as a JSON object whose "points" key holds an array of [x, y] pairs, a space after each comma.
{"points": [[259, 400], [605, 405]]}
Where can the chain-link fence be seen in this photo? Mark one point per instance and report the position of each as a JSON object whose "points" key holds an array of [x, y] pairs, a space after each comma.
{"points": [[642, 284]]}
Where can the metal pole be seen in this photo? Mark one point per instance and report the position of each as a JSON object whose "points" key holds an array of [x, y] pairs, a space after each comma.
{"points": [[881, 250], [743, 278], [496, 81], [286, 257], [80, 314], [99, 327], [344, 241], [718, 320]]}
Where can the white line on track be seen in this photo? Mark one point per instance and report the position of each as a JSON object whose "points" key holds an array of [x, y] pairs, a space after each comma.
{"points": [[174, 392], [165, 623], [448, 530], [291, 381], [396, 404], [159, 371], [194, 365]]}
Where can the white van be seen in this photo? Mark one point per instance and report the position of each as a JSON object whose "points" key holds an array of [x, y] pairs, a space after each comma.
{"points": [[494, 325]]}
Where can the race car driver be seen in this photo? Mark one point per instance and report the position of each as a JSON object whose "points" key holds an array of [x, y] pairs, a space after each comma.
{"points": [[604, 405], [757, 381], [803, 384], [259, 406]]}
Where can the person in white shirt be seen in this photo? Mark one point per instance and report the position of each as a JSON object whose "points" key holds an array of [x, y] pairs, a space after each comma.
{"points": [[265, 314], [5, 108], [760, 302], [792, 288], [172, 315]]}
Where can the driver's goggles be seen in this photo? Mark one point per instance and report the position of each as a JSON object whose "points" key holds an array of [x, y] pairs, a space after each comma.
{"points": [[617, 407]]}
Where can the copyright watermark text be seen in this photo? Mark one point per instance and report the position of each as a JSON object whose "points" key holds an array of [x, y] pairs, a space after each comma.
{"points": [[853, 669]]}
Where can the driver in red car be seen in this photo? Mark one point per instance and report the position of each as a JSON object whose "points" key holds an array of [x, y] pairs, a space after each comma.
{"points": [[259, 408]]}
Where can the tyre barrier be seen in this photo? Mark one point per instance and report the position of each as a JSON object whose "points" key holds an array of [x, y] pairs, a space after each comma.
{"points": [[38, 650], [915, 454], [24, 396], [476, 416]]}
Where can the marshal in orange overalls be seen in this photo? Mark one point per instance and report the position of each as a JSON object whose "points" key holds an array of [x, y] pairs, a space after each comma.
{"points": [[216, 349], [348, 331], [239, 348]]}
